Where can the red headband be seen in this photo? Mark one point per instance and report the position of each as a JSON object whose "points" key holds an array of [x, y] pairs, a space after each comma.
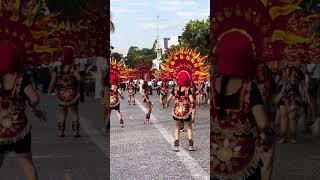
{"points": [[68, 55], [183, 78], [235, 55]]}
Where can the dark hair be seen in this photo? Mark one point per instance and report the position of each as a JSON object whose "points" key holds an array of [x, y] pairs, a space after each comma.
{"points": [[224, 82]]}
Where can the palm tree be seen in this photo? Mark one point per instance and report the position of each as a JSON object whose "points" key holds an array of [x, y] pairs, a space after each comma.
{"points": [[111, 25], [310, 5]]}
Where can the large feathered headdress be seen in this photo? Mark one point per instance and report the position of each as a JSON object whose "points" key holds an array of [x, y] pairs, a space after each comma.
{"points": [[118, 70], [249, 28], [186, 61], [303, 43], [144, 70], [20, 24]]}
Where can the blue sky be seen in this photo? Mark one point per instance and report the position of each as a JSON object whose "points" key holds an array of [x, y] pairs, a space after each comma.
{"points": [[135, 20]]}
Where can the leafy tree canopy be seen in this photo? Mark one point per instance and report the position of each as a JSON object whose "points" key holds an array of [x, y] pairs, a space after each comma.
{"points": [[140, 56], [196, 34], [117, 56]]}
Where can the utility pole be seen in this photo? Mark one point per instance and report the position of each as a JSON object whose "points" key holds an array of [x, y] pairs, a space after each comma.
{"points": [[158, 46]]}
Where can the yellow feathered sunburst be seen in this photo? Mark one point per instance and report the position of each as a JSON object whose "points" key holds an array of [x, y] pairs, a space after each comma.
{"points": [[185, 59]]}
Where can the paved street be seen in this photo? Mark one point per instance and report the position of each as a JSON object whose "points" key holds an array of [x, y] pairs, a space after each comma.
{"points": [[64, 158], [141, 151]]}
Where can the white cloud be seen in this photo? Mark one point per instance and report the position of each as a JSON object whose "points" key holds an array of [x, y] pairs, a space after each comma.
{"points": [[175, 5], [201, 14], [123, 10], [162, 25]]}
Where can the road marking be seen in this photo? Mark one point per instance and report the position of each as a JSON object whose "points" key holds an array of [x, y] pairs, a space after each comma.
{"points": [[192, 165]]}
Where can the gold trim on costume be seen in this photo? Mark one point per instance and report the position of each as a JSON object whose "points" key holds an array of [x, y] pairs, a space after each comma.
{"points": [[243, 32]]}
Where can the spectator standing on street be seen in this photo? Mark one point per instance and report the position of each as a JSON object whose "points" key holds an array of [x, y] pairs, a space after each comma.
{"points": [[67, 79], [15, 129]]}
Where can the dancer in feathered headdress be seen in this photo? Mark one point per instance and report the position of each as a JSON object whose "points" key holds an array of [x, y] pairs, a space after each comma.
{"points": [[117, 74], [131, 91], [183, 65], [241, 37], [131, 86], [145, 73], [164, 88], [67, 79]]}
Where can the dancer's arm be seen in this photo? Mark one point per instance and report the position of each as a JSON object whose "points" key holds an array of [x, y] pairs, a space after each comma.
{"points": [[34, 100], [120, 93], [191, 99], [169, 99], [258, 110]]}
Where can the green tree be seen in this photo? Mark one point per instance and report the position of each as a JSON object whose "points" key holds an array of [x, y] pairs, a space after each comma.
{"points": [[117, 56], [112, 28], [196, 34], [140, 56]]}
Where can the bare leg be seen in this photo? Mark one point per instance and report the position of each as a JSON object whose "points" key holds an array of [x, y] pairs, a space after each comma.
{"points": [[75, 119], [190, 135], [26, 164], [63, 111], [161, 102], [148, 114], [283, 123], [267, 159], [134, 100], [119, 116], [193, 116], [189, 129], [176, 135]]}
